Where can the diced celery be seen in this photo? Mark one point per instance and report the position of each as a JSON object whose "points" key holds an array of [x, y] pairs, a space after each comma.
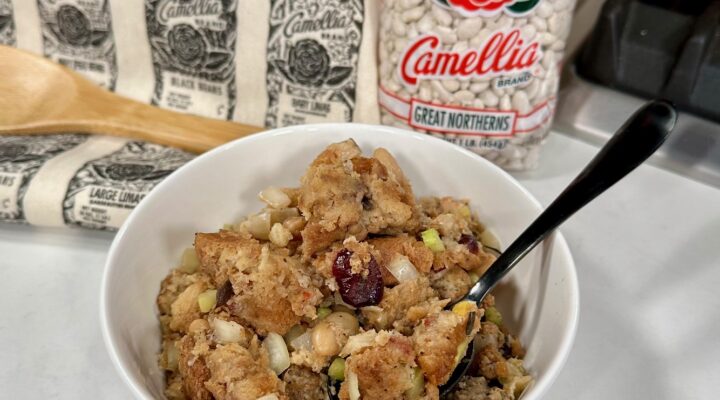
{"points": [[464, 211], [323, 312], [189, 262], [337, 369], [418, 385], [207, 300], [493, 315], [432, 240]]}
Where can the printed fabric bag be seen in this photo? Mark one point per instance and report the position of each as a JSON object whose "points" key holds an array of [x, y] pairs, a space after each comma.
{"points": [[269, 63]]}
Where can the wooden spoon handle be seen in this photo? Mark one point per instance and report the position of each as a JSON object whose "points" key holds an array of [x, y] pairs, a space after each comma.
{"points": [[147, 123], [38, 96]]}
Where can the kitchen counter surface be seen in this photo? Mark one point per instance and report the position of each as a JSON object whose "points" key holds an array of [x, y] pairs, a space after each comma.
{"points": [[647, 253]]}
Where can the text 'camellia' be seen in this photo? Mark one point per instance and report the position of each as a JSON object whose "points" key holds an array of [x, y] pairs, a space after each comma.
{"points": [[504, 52]]}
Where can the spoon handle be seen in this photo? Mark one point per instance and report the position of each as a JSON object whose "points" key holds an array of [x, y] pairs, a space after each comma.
{"points": [[634, 142]]}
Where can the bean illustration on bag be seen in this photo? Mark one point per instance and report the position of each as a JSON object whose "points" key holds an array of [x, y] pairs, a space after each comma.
{"points": [[20, 159], [79, 34], [312, 56], [193, 50], [104, 191]]}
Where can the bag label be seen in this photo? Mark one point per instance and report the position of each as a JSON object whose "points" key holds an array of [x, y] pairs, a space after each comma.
{"points": [[104, 191], [470, 121], [503, 53], [312, 52], [193, 51], [78, 34]]}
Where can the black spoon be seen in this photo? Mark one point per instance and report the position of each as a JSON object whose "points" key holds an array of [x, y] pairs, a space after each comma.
{"points": [[633, 143]]}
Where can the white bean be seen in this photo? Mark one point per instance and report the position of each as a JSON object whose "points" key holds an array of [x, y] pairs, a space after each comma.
{"points": [[447, 35], [451, 84], [468, 28], [532, 89], [521, 102], [425, 24], [479, 87], [464, 96], [399, 27], [441, 92], [489, 98], [480, 38], [505, 103], [539, 24], [413, 14], [544, 9], [410, 3], [425, 93], [441, 16]]}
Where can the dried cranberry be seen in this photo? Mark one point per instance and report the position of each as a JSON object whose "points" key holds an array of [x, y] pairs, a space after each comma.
{"points": [[470, 242], [356, 290], [224, 293]]}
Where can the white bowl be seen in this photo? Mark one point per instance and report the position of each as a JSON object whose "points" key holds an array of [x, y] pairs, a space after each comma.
{"points": [[539, 298]]}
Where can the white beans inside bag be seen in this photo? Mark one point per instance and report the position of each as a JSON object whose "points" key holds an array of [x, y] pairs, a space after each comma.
{"points": [[482, 74]]}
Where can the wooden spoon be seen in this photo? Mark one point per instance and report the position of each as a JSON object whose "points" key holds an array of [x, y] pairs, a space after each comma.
{"points": [[38, 96]]}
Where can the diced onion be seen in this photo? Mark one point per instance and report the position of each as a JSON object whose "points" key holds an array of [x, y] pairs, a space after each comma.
{"points": [[358, 342], [418, 385], [189, 262], [275, 197], [488, 239], [227, 331], [280, 215], [353, 386], [402, 269], [302, 342], [277, 351], [461, 350], [432, 240], [258, 225], [339, 301], [207, 300], [271, 396], [172, 355], [293, 334]]}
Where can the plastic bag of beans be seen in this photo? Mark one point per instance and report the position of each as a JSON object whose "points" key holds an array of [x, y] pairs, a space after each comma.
{"points": [[482, 74]]}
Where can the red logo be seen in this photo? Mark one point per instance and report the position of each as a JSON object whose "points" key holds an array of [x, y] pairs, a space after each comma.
{"points": [[503, 53], [478, 6]]}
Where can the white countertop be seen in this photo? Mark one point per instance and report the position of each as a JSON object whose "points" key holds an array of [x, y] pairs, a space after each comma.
{"points": [[648, 258]]}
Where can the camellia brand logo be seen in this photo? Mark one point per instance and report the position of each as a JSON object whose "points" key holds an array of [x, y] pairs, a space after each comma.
{"points": [[330, 19], [488, 8], [173, 9], [505, 52]]}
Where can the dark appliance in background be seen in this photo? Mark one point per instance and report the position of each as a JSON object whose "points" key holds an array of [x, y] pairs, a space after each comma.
{"points": [[658, 48]]}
